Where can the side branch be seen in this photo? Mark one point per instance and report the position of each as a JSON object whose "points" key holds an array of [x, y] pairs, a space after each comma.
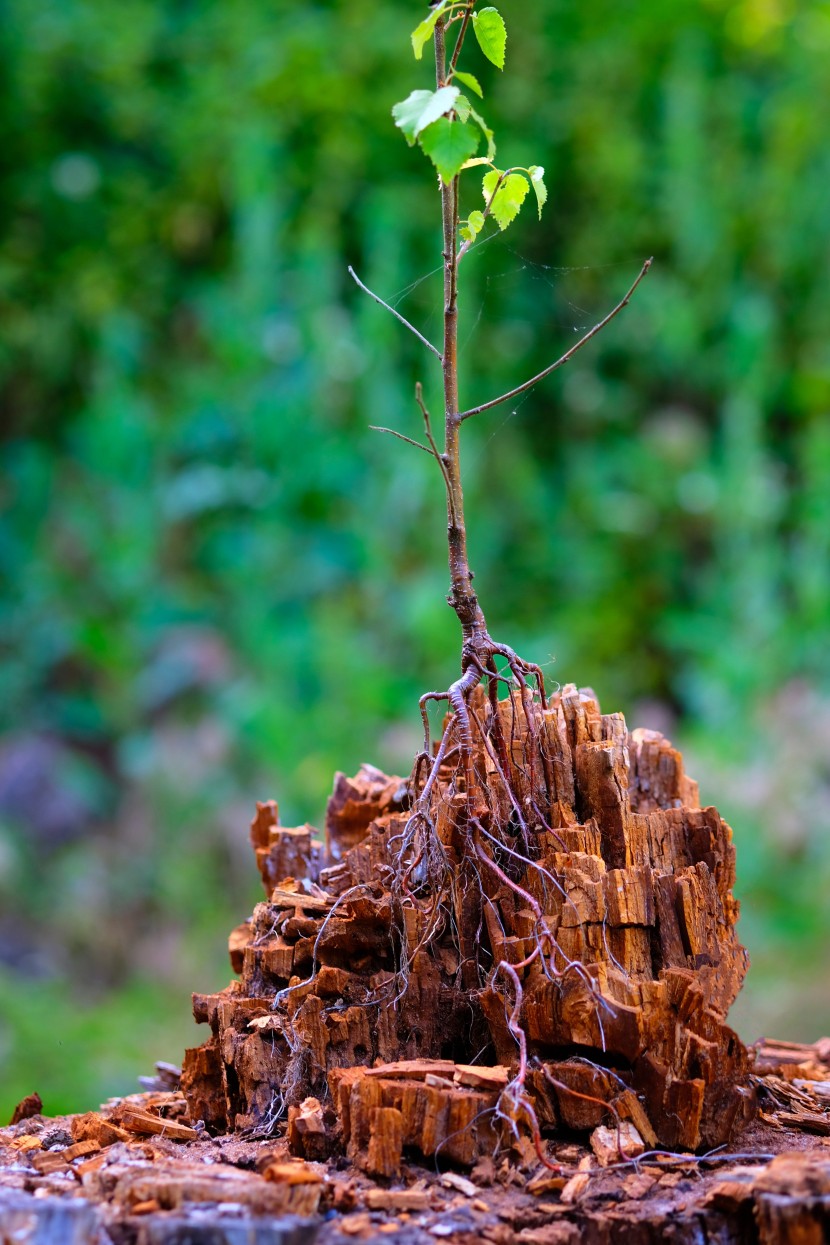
{"points": [[431, 448], [396, 314], [459, 41], [465, 246], [401, 437], [565, 358], [439, 458]]}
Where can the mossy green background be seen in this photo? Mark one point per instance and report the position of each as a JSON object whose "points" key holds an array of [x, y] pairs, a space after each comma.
{"points": [[218, 585]]}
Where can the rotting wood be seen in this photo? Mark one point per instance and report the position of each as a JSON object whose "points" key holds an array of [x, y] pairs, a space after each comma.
{"points": [[615, 1145], [354, 1021], [28, 1107], [611, 896], [308, 1135], [380, 1116], [92, 1126], [145, 1123], [232, 1191]]}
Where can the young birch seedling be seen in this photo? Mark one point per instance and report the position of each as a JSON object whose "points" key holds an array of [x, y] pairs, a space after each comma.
{"points": [[452, 133], [542, 898]]}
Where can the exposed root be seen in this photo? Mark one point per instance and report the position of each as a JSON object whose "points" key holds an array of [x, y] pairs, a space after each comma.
{"points": [[506, 901], [488, 777]]}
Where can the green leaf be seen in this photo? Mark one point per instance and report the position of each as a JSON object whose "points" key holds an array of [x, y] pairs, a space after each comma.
{"points": [[537, 181], [476, 222], [490, 31], [488, 134], [489, 183], [423, 32], [448, 144], [463, 108], [471, 164], [421, 108], [470, 81], [509, 197]]}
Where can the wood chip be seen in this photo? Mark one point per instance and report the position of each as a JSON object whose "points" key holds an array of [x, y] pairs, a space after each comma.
{"points": [[413, 1069], [91, 1165], [264, 1024], [438, 1082], [577, 1184], [93, 1127], [143, 1122], [574, 1189], [282, 898], [355, 1225], [48, 1162], [476, 1077], [291, 1173], [547, 1182], [174, 1184], [27, 1108], [807, 1121], [453, 1180], [615, 1145], [308, 1136], [81, 1149], [398, 1199]]}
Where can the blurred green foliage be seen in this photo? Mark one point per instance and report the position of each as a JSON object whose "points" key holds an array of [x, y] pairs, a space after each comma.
{"points": [[218, 585]]}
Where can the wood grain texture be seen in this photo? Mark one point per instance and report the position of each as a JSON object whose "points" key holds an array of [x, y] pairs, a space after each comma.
{"points": [[618, 875]]}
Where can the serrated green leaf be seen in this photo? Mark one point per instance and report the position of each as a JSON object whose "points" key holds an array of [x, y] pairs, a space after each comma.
{"points": [[490, 31], [422, 33], [449, 144], [470, 81], [488, 134], [467, 234], [537, 181], [421, 108], [471, 164], [489, 183], [463, 108], [509, 197], [476, 222]]}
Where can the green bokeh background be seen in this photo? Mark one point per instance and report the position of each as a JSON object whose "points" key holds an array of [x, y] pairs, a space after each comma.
{"points": [[218, 585]]}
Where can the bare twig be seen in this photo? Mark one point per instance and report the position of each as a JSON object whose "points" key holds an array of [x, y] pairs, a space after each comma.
{"points": [[419, 398], [401, 437], [442, 466], [565, 358], [395, 313]]}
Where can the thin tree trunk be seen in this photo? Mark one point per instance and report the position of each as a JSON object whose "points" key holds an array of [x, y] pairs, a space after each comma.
{"points": [[462, 597]]}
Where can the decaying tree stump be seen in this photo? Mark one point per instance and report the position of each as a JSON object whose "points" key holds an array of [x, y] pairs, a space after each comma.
{"points": [[575, 942], [135, 1173]]}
